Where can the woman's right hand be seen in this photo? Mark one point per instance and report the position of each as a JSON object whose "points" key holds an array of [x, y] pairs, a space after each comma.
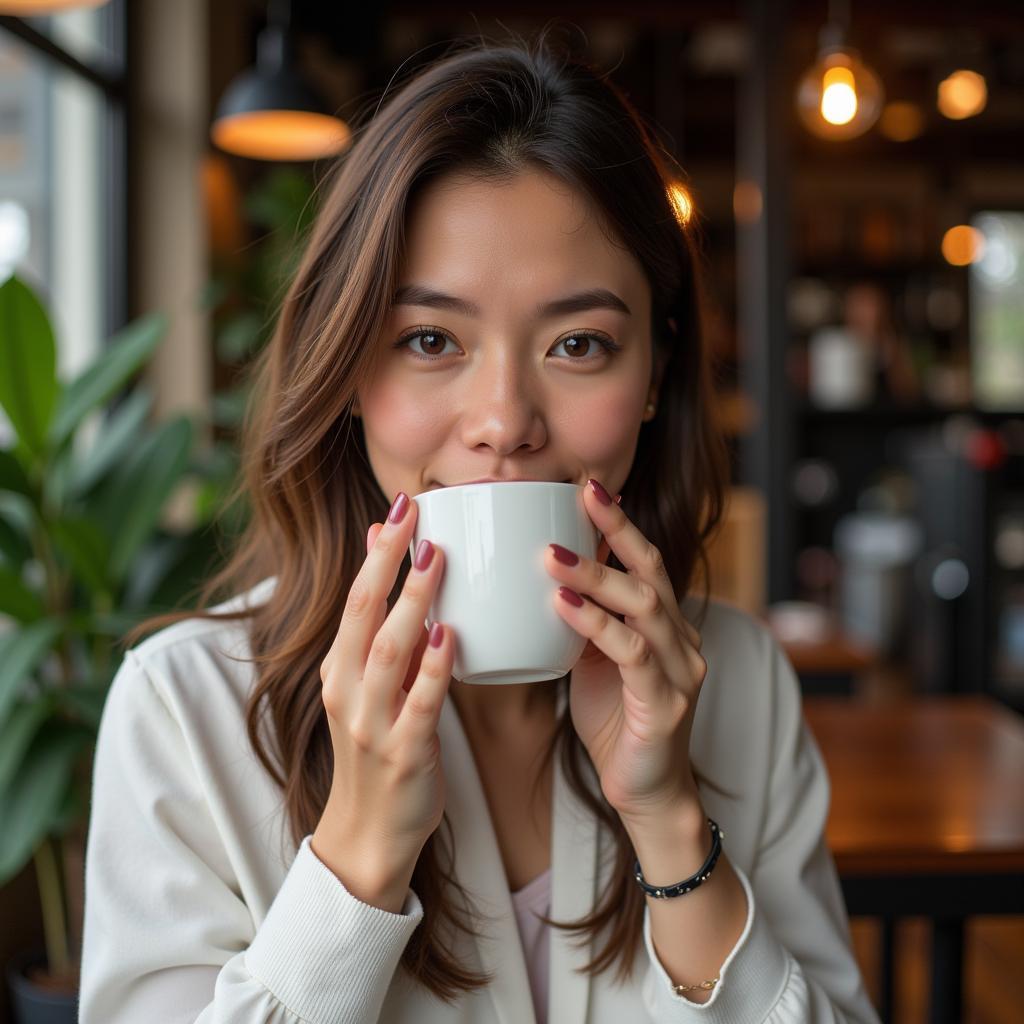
{"points": [[384, 684]]}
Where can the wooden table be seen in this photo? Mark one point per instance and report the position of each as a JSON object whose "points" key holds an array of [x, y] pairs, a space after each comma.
{"points": [[829, 668], [927, 818]]}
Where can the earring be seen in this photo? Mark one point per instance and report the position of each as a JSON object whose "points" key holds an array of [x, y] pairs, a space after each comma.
{"points": [[649, 411]]}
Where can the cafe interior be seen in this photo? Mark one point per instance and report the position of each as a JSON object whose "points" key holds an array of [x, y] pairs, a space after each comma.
{"points": [[855, 175]]}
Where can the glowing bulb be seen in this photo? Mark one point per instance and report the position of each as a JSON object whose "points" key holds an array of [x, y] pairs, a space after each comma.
{"points": [[281, 134], [962, 94], [962, 245], [681, 202], [838, 96], [40, 7]]}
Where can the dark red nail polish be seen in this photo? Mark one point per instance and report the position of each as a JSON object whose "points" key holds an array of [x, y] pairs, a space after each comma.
{"points": [[571, 596], [564, 555], [399, 508], [424, 554], [602, 494], [436, 635]]}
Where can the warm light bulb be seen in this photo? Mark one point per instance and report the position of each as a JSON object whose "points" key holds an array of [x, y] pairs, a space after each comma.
{"points": [[962, 245], [838, 96], [681, 202], [962, 94], [39, 7], [281, 134]]}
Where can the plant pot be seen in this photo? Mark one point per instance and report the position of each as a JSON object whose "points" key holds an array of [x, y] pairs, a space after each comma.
{"points": [[36, 998]]}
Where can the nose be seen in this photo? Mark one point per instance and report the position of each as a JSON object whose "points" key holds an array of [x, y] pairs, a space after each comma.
{"points": [[503, 407]]}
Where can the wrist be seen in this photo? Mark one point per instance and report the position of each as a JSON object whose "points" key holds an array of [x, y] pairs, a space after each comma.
{"points": [[373, 877], [673, 847]]}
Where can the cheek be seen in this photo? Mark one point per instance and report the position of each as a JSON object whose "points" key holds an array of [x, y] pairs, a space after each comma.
{"points": [[399, 425], [612, 424]]}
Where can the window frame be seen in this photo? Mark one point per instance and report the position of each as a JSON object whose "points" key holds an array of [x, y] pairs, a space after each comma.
{"points": [[110, 78]]}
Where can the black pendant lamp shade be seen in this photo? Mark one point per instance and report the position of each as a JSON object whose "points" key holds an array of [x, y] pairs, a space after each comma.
{"points": [[269, 112]]}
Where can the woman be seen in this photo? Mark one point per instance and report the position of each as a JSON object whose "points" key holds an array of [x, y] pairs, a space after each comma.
{"points": [[496, 286]]}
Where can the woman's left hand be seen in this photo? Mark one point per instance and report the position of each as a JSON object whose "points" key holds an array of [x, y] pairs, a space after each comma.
{"points": [[634, 690]]}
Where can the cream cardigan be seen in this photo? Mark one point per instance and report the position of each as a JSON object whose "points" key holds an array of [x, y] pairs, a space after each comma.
{"points": [[199, 908]]}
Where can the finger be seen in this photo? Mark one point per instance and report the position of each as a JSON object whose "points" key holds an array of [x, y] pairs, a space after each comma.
{"points": [[391, 653], [366, 604], [371, 535], [421, 709], [639, 556], [648, 671], [414, 661], [612, 589], [692, 633]]}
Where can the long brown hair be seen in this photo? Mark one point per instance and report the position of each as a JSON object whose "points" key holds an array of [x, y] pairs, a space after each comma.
{"points": [[492, 110]]}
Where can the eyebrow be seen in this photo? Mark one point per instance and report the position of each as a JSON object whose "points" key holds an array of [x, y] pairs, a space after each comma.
{"points": [[578, 302]]}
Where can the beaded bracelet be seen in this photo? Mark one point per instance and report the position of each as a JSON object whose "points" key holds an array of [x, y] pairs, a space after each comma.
{"points": [[665, 892]]}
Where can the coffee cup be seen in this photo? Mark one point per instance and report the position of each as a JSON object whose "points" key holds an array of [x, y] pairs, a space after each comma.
{"points": [[495, 592]]}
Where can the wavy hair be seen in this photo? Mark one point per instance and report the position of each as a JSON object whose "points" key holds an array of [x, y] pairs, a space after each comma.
{"points": [[493, 110]]}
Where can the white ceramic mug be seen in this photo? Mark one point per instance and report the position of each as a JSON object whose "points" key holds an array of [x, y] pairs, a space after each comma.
{"points": [[495, 593]]}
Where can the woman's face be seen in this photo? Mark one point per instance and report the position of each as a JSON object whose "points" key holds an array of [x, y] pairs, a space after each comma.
{"points": [[487, 368]]}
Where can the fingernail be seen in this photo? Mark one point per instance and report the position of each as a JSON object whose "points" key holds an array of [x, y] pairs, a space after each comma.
{"points": [[571, 596], [424, 553], [436, 634], [564, 555], [399, 508], [602, 494]]}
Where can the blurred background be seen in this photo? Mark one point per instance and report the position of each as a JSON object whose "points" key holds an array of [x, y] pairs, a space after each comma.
{"points": [[856, 174]]}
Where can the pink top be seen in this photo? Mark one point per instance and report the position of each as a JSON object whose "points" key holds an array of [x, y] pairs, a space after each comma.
{"points": [[535, 898]]}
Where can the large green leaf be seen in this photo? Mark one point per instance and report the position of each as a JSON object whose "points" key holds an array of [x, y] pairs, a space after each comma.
{"points": [[17, 733], [86, 547], [130, 506], [119, 433], [35, 804], [12, 475], [124, 354], [28, 364], [16, 599], [21, 651]]}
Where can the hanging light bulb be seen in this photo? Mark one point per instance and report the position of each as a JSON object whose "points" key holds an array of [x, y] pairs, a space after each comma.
{"points": [[962, 94], [25, 8], [838, 97], [269, 112]]}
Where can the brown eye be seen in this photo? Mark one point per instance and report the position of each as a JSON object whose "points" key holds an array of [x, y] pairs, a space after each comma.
{"points": [[431, 342], [580, 344], [577, 345]]}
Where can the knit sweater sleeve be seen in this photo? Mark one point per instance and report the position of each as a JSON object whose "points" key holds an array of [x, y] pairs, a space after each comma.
{"points": [[167, 935]]}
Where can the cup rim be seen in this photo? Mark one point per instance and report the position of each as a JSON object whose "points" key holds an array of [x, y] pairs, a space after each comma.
{"points": [[491, 483]]}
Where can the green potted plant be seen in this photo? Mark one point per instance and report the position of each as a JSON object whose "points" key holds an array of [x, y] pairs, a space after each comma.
{"points": [[84, 484]]}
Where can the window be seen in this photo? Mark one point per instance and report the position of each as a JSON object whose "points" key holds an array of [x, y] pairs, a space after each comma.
{"points": [[62, 174]]}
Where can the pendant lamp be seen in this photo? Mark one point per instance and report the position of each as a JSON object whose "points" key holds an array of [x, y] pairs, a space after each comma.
{"points": [[270, 112], [31, 8], [839, 97]]}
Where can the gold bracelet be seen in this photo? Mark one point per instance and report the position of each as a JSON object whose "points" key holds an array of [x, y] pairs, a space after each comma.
{"points": [[706, 985]]}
